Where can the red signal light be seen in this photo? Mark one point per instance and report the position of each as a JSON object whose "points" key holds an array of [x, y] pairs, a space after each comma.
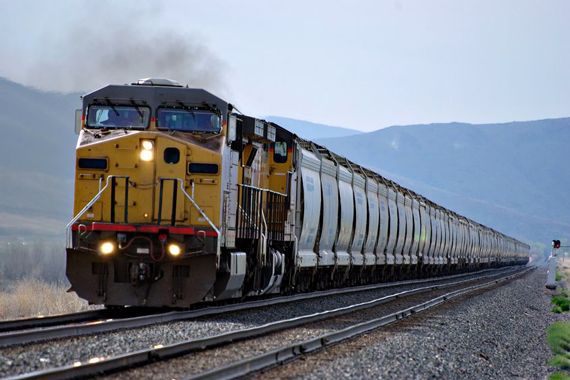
{"points": [[555, 244]]}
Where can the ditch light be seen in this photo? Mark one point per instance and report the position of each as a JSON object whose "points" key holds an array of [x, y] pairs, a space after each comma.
{"points": [[147, 151]]}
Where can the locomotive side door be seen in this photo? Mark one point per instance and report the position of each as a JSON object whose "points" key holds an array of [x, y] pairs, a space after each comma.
{"points": [[170, 166]]}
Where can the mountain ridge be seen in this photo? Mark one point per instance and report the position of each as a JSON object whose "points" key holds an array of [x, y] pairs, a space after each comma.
{"points": [[512, 166], [310, 130]]}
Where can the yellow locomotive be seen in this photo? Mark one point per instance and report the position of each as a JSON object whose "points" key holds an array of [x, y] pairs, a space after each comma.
{"points": [[179, 199]]}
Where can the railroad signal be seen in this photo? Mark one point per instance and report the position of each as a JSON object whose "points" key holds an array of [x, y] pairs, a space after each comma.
{"points": [[555, 244]]}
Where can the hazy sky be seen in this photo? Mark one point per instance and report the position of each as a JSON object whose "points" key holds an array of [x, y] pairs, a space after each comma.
{"points": [[358, 64]]}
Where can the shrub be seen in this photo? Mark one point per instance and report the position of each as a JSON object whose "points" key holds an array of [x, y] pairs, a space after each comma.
{"points": [[22, 259], [562, 302], [33, 297]]}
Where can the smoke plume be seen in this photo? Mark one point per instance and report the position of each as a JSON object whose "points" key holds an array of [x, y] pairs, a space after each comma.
{"points": [[105, 48]]}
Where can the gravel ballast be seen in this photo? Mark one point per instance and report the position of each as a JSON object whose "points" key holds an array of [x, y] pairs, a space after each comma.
{"points": [[21, 359], [195, 363], [495, 334]]}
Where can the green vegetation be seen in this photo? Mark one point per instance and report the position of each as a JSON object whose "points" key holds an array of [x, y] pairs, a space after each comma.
{"points": [[558, 337], [559, 275], [561, 302], [559, 376]]}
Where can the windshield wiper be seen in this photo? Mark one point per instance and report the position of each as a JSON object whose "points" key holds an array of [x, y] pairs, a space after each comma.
{"points": [[211, 108], [110, 104], [184, 106], [137, 107]]}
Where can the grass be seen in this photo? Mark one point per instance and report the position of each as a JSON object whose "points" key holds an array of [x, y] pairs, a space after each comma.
{"points": [[559, 376], [558, 337], [558, 333], [33, 297], [561, 302]]}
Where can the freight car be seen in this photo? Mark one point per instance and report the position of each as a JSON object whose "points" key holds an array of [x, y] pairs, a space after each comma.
{"points": [[181, 199]]}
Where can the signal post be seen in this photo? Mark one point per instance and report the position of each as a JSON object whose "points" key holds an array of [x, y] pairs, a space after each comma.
{"points": [[552, 264]]}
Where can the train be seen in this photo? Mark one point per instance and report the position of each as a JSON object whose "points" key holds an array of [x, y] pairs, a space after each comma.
{"points": [[181, 199]]}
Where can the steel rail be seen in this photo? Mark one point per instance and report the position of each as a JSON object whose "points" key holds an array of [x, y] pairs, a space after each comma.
{"points": [[104, 326], [102, 365], [29, 323], [296, 350], [61, 319]]}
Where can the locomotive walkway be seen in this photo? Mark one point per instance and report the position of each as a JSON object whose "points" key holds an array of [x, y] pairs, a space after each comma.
{"points": [[394, 306]]}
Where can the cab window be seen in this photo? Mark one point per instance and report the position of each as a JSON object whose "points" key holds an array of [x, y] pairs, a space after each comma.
{"points": [[113, 117], [280, 152], [186, 120]]}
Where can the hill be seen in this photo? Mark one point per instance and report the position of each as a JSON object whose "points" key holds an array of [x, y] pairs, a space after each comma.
{"points": [[312, 131], [36, 159], [509, 176]]}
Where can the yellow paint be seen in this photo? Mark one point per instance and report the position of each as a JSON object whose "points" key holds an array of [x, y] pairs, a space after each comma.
{"points": [[123, 154], [278, 176]]}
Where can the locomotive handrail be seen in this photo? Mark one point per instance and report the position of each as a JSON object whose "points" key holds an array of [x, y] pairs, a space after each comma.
{"points": [[247, 217], [263, 233], [262, 189], [87, 207], [264, 224], [181, 181]]}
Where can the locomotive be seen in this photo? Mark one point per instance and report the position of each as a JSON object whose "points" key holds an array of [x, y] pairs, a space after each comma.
{"points": [[180, 199]]}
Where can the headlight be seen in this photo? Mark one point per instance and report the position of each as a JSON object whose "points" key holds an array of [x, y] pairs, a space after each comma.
{"points": [[147, 153], [147, 144], [174, 249], [107, 248]]}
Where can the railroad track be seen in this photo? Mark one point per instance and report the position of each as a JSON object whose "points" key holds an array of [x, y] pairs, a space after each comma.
{"points": [[79, 317], [37, 330], [290, 352], [406, 303]]}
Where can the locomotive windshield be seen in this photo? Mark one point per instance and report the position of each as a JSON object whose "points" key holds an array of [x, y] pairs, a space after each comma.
{"points": [[112, 117], [185, 120]]}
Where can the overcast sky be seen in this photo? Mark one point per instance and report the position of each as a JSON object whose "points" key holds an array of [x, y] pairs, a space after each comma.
{"points": [[358, 64]]}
